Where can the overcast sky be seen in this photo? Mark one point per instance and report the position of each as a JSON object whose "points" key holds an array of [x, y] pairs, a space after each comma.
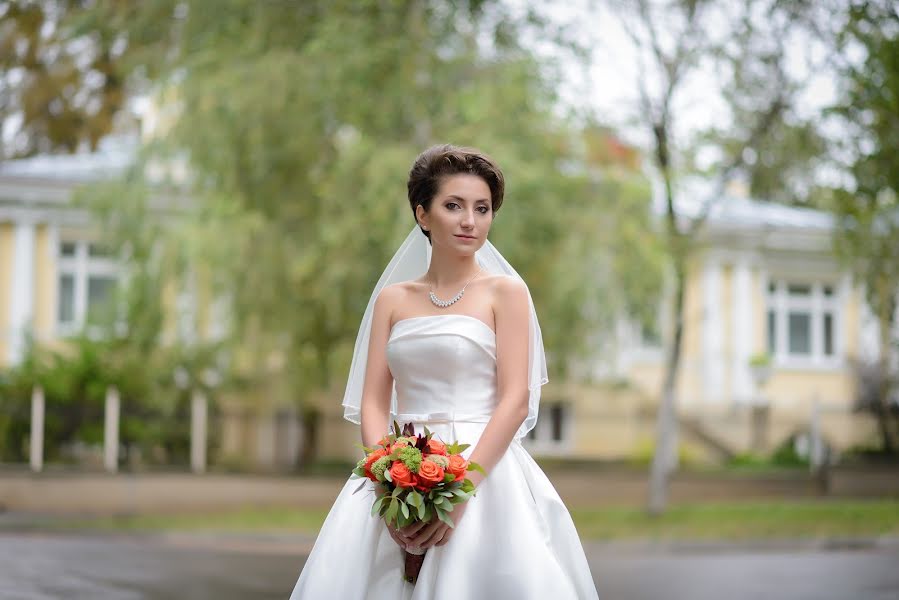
{"points": [[609, 83]]}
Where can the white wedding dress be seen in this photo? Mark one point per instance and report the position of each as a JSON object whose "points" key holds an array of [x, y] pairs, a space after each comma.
{"points": [[516, 540]]}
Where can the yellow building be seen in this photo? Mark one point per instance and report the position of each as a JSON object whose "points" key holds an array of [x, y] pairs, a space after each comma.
{"points": [[764, 284], [764, 280], [52, 268]]}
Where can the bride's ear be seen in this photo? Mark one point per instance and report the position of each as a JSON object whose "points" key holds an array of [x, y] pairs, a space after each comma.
{"points": [[421, 217]]}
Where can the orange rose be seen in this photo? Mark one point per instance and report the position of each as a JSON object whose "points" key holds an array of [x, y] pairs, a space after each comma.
{"points": [[383, 441], [436, 447], [371, 460], [429, 474], [401, 475], [457, 466]]}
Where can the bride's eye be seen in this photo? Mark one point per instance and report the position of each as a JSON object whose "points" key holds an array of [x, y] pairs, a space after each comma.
{"points": [[448, 204], [485, 211]]}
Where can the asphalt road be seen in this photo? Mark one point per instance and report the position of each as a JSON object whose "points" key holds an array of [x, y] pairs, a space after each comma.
{"points": [[39, 566]]}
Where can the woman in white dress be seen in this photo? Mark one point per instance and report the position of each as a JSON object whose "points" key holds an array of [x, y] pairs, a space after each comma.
{"points": [[450, 340]]}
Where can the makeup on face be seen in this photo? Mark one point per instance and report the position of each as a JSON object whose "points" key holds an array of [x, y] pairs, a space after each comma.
{"points": [[463, 208]]}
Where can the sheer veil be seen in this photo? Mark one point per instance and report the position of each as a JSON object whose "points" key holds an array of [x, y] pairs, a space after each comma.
{"points": [[410, 261]]}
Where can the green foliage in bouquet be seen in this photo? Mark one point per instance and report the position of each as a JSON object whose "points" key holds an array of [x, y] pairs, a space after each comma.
{"points": [[416, 496]]}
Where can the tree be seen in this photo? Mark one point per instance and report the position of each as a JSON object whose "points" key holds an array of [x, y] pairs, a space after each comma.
{"points": [[60, 85], [867, 209], [299, 122], [673, 41]]}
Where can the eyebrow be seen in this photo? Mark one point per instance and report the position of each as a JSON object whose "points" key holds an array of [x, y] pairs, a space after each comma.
{"points": [[454, 197]]}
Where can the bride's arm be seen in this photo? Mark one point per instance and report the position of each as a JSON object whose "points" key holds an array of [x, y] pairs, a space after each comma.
{"points": [[378, 386], [512, 313]]}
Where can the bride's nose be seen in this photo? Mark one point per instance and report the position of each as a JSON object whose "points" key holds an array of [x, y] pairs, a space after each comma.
{"points": [[468, 220]]}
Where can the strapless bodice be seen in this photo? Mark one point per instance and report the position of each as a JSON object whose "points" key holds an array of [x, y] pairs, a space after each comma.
{"points": [[444, 368]]}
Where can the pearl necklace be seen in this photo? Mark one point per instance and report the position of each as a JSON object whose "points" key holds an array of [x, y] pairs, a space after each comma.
{"points": [[444, 303]]}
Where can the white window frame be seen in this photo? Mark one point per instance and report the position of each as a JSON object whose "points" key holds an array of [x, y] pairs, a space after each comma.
{"points": [[816, 304], [81, 267], [542, 443]]}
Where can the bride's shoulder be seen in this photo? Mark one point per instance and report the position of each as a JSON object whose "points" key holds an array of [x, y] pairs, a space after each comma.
{"points": [[402, 287], [396, 292], [505, 284]]}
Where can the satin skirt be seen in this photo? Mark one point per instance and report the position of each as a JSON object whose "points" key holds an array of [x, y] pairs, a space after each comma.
{"points": [[516, 540]]}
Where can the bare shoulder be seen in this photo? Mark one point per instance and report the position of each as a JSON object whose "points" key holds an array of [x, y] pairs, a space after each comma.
{"points": [[392, 295], [396, 295], [509, 298], [507, 287]]}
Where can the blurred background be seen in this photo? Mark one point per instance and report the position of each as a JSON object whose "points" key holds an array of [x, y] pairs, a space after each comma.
{"points": [[197, 197]]}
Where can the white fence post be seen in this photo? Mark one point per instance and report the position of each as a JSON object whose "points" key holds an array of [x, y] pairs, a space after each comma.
{"points": [[37, 429], [816, 447], [198, 419], [111, 430]]}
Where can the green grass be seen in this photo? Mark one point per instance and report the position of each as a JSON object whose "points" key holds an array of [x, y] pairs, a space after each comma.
{"points": [[732, 521], [744, 521]]}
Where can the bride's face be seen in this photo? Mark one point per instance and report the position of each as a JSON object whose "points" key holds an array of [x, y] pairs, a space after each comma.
{"points": [[460, 214]]}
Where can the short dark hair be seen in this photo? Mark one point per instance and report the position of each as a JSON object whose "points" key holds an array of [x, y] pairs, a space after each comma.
{"points": [[444, 160]]}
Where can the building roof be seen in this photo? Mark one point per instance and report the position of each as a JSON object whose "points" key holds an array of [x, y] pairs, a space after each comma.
{"points": [[748, 212], [113, 156], [732, 210]]}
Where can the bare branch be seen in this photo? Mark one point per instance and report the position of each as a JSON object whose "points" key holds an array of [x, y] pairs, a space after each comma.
{"points": [[738, 161], [645, 98]]}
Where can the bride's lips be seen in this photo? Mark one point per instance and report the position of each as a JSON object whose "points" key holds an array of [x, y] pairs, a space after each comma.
{"points": [[466, 237]]}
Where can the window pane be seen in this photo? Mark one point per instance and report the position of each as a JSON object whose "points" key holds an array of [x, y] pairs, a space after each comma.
{"points": [[67, 249], [828, 334], [828, 290], [800, 333], [772, 287], [556, 414], [95, 249], [772, 332], [66, 299], [799, 290], [99, 295]]}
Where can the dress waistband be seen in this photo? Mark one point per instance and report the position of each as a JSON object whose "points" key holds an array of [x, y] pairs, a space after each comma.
{"points": [[441, 417]]}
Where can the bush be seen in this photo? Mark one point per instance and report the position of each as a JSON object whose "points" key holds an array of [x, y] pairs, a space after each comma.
{"points": [[154, 422], [642, 455], [786, 455]]}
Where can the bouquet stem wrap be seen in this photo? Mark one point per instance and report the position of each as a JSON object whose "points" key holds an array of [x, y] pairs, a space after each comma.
{"points": [[414, 558]]}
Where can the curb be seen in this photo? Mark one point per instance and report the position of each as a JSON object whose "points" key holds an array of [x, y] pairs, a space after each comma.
{"points": [[775, 545], [301, 543]]}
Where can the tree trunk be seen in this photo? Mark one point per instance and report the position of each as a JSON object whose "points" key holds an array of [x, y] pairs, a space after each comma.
{"points": [[665, 456], [309, 447], [885, 323]]}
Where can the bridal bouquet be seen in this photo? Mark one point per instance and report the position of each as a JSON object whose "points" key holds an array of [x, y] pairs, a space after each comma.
{"points": [[418, 478]]}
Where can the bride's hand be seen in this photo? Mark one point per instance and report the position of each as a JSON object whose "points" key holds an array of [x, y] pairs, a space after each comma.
{"points": [[433, 533], [397, 537]]}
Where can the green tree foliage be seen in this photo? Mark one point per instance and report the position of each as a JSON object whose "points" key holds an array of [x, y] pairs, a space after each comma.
{"points": [[299, 121], [61, 84], [868, 210]]}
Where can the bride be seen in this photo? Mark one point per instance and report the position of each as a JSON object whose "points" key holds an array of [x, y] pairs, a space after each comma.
{"points": [[450, 340]]}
